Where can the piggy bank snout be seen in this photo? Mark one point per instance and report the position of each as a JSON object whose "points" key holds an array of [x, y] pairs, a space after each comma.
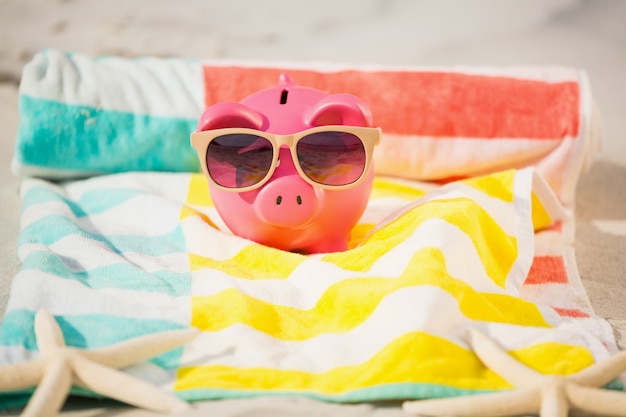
{"points": [[288, 202]]}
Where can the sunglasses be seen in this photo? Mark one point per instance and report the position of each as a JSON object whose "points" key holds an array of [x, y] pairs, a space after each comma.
{"points": [[331, 157]]}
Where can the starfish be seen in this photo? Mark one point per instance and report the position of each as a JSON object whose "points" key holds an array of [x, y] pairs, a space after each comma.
{"points": [[549, 395], [60, 366]]}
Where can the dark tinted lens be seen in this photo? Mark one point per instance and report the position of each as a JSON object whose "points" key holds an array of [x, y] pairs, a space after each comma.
{"points": [[332, 158], [239, 160]]}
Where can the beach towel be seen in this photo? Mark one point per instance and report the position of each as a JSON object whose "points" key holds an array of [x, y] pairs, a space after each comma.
{"points": [[469, 226]]}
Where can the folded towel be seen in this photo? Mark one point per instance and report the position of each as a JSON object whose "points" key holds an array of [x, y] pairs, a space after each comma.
{"points": [[118, 256], [484, 243], [112, 114]]}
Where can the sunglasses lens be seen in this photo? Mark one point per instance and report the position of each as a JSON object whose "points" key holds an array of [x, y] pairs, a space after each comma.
{"points": [[332, 158], [239, 160]]}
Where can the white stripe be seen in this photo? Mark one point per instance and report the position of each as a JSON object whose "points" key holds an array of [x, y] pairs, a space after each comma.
{"points": [[204, 240], [549, 200], [575, 334], [312, 278], [171, 185], [560, 295], [146, 86], [428, 158], [16, 354], [156, 375], [548, 243], [141, 215], [94, 254], [378, 209], [40, 211], [522, 203], [60, 296], [213, 215], [424, 308]]}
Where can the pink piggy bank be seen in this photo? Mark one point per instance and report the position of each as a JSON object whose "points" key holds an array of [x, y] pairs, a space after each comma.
{"points": [[289, 166]]}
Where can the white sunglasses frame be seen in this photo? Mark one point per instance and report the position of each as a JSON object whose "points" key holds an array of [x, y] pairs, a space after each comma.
{"points": [[369, 136]]}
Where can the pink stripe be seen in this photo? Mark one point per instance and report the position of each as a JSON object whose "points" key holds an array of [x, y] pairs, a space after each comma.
{"points": [[547, 270], [570, 312]]}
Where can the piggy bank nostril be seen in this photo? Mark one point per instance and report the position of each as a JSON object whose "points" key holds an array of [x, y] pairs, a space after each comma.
{"points": [[279, 200]]}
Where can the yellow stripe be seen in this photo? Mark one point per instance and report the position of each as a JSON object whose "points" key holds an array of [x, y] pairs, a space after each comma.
{"points": [[253, 262], [555, 358], [415, 357], [541, 218], [350, 302], [498, 185], [496, 249], [198, 194]]}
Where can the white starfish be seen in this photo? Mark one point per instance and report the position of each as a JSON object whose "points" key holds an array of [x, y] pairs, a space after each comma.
{"points": [[60, 366], [550, 395]]}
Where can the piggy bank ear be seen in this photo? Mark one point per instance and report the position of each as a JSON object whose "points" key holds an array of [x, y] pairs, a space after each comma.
{"points": [[228, 114], [340, 109]]}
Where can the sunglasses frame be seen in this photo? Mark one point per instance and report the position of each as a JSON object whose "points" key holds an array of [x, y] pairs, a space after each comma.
{"points": [[369, 137]]}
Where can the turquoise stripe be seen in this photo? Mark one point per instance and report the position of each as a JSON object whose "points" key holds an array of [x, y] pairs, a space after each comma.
{"points": [[50, 229], [98, 201], [68, 137], [88, 331], [123, 276], [387, 392], [18, 329], [91, 202]]}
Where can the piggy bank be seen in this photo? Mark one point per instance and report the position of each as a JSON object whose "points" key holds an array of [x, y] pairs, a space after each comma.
{"points": [[289, 166]]}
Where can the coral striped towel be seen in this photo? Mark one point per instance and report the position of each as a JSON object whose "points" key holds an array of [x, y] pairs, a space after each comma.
{"points": [[129, 253], [111, 114]]}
